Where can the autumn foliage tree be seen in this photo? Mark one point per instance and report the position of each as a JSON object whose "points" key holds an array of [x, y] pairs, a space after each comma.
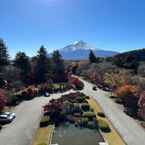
{"points": [[3, 99], [76, 83], [126, 90], [128, 94], [115, 80]]}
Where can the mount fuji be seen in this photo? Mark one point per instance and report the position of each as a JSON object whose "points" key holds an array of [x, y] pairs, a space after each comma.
{"points": [[80, 50]]}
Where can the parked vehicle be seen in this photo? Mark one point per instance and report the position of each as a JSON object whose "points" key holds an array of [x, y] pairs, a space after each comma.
{"points": [[7, 117], [94, 88], [107, 89]]}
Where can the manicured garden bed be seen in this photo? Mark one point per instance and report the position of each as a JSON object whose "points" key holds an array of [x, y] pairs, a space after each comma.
{"points": [[76, 115], [72, 108], [73, 118]]}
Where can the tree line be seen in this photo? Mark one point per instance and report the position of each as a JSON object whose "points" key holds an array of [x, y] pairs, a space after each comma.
{"points": [[35, 70]]}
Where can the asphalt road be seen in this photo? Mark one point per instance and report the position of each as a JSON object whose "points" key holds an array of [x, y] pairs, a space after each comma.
{"points": [[131, 132]]}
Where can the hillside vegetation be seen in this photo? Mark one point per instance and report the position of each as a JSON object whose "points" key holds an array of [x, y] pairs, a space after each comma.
{"points": [[123, 74]]}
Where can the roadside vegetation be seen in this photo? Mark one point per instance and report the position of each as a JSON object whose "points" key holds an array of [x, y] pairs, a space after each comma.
{"points": [[25, 77], [123, 75]]}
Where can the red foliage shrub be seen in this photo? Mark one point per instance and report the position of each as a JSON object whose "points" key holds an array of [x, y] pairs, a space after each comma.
{"points": [[141, 101], [141, 104], [3, 99], [129, 97], [76, 83], [53, 105]]}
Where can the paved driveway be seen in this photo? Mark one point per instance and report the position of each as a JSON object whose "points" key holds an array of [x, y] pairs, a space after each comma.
{"points": [[131, 132], [28, 113]]}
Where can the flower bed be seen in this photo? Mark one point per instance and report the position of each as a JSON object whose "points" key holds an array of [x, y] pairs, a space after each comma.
{"points": [[72, 108]]}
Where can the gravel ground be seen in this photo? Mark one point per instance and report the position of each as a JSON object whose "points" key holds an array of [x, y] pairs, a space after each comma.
{"points": [[131, 132], [22, 129]]}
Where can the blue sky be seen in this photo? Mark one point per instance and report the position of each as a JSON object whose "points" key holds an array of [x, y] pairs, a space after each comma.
{"points": [[109, 24]]}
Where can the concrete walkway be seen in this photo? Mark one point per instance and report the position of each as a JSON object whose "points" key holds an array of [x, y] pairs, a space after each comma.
{"points": [[131, 132]]}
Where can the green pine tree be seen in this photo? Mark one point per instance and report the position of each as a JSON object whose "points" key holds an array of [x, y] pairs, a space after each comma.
{"points": [[92, 57], [4, 58], [58, 67], [22, 62], [43, 66]]}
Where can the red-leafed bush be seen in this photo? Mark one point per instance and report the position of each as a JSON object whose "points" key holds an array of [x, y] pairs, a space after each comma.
{"points": [[141, 101], [141, 104], [76, 83], [3, 99]]}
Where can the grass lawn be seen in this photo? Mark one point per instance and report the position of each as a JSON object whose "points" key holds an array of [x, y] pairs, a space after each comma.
{"points": [[113, 138], [43, 135]]}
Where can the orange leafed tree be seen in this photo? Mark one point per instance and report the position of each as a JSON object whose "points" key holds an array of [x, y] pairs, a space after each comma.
{"points": [[126, 90], [129, 96]]}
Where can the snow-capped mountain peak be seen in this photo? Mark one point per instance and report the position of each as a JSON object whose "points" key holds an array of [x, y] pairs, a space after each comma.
{"points": [[80, 50], [78, 45]]}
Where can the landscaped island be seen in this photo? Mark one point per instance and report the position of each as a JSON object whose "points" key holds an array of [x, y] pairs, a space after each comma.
{"points": [[72, 117]]}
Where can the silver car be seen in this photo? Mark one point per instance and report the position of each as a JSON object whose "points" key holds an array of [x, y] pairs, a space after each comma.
{"points": [[7, 117]]}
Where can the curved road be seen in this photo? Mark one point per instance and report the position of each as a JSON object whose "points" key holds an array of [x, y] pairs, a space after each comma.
{"points": [[131, 132]]}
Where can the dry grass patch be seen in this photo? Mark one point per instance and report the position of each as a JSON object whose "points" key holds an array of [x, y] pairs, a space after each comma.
{"points": [[43, 135]]}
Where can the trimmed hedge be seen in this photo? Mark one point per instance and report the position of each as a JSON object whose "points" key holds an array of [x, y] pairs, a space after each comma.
{"points": [[119, 101], [113, 97], [76, 108], [44, 121], [101, 114], [89, 114], [83, 122], [91, 125], [87, 97], [85, 106], [81, 99], [103, 125], [91, 109]]}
